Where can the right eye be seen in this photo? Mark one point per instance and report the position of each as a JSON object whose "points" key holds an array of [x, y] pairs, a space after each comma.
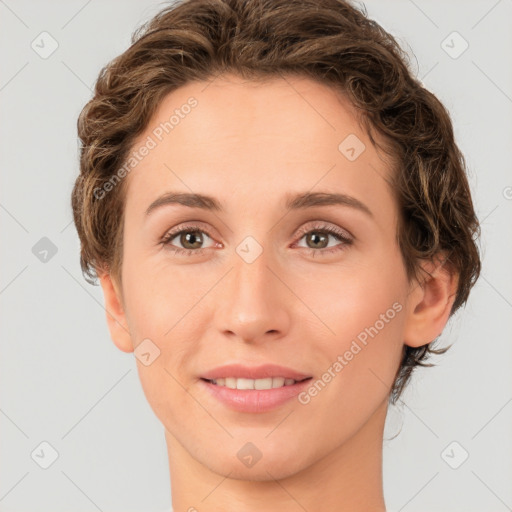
{"points": [[190, 235]]}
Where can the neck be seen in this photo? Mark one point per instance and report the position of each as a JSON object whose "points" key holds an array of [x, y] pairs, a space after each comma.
{"points": [[349, 479]]}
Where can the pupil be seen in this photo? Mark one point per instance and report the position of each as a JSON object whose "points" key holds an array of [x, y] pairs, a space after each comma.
{"points": [[191, 236], [314, 236]]}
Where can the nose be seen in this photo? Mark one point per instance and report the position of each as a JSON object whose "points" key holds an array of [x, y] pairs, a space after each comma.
{"points": [[254, 304]]}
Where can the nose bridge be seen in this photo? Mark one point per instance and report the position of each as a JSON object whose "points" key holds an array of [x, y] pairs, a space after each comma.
{"points": [[252, 304], [251, 259], [252, 278]]}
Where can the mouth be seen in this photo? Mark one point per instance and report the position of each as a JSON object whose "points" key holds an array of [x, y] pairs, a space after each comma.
{"points": [[253, 395], [253, 389], [258, 384]]}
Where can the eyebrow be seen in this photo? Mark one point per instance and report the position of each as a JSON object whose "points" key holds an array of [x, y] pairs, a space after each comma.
{"points": [[293, 202]]}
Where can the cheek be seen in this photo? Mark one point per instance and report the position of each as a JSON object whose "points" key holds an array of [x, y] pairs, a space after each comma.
{"points": [[363, 314], [361, 361], [349, 300], [165, 305], [163, 309], [158, 296]]}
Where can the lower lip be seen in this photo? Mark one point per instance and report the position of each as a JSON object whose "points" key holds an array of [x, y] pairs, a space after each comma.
{"points": [[255, 400]]}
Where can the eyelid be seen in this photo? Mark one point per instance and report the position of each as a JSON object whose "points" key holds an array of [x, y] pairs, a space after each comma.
{"points": [[320, 225], [174, 232]]}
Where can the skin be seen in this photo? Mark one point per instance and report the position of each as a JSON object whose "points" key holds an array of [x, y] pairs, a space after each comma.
{"points": [[248, 145]]}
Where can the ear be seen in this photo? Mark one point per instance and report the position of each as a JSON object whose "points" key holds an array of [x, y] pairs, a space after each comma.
{"points": [[116, 318], [430, 302]]}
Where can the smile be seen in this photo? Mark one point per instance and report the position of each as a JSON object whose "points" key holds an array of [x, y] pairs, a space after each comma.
{"points": [[241, 383]]}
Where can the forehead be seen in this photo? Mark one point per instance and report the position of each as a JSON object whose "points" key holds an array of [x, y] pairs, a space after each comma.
{"points": [[246, 138]]}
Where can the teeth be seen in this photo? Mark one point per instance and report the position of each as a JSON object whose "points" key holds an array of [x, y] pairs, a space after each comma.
{"points": [[268, 383], [263, 383]]}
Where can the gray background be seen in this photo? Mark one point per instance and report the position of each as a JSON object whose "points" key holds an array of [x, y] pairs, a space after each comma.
{"points": [[63, 381]]}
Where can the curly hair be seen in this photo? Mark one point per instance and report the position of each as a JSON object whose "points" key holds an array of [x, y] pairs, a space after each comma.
{"points": [[330, 41]]}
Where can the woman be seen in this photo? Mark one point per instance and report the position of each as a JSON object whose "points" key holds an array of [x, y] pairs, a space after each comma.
{"points": [[281, 223]]}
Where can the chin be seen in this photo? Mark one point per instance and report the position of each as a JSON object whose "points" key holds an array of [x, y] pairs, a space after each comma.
{"points": [[259, 473], [271, 466]]}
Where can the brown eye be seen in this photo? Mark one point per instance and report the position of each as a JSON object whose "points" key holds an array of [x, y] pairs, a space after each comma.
{"points": [[318, 238], [190, 239], [317, 241]]}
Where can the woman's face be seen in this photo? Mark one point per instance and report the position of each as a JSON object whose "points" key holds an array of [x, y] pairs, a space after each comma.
{"points": [[260, 280]]}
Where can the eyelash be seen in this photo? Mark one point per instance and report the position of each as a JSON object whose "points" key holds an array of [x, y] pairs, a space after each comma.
{"points": [[321, 228]]}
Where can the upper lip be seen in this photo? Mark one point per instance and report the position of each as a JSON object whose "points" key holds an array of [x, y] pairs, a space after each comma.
{"points": [[253, 372]]}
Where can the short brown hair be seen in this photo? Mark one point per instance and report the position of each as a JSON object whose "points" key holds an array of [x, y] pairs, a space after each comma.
{"points": [[329, 41]]}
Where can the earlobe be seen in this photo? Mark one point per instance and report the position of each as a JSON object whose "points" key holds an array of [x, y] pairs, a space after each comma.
{"points": [[430, 303], [116, 318]]}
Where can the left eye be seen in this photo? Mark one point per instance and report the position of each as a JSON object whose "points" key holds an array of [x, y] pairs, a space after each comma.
{"points": [[320, 238]]}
